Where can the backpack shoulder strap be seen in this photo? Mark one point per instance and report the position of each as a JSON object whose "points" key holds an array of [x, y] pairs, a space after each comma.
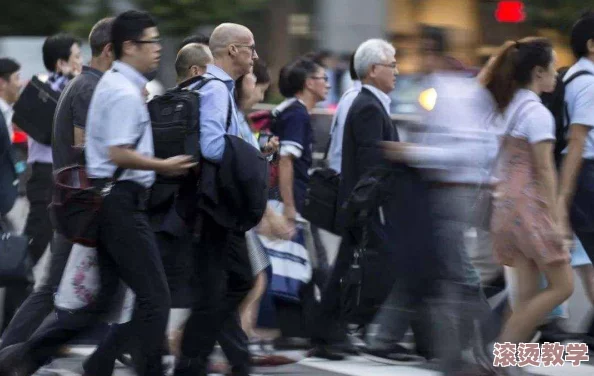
{"points": [[205, 80], [576, 75], [567, 118]]}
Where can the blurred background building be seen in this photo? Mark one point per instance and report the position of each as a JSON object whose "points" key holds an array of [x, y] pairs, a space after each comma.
{"points": [[285, 29]]}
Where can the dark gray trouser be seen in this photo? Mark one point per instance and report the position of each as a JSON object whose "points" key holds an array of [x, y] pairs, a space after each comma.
{"points": [[40, 302], [453, 214]]}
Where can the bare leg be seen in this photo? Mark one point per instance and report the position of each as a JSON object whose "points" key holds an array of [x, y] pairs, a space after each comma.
{"points": [[249, 306], [533, 306]]}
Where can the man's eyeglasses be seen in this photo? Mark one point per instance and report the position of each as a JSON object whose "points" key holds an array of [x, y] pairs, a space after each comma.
{"points": [[151, 41], [251, 47], [391, 66], [325, 78]]}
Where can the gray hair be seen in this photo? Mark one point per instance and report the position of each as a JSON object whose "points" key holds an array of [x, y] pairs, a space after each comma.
{"points": [[100, 35], [192, 54], [370, 52]]}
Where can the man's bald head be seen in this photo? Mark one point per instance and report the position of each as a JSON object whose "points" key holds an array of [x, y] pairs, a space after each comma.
{"points": [[192, 60], [226, 34]]}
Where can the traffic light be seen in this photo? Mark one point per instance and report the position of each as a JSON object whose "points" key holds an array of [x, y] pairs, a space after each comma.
{"points": [[510, 12]]}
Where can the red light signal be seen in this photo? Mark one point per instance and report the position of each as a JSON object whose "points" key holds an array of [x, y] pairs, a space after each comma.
{"points": [[510, 12]]}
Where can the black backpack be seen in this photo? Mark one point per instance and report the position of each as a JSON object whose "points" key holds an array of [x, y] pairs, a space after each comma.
{"points": [[555, 102], [175, 122]]}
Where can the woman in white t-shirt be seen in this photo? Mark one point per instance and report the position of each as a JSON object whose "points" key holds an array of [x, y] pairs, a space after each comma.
{"points": [[525, 226]]}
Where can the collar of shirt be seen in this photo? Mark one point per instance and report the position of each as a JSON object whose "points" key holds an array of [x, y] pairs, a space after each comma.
{"points": [[5, 108], [586, 64], [137, 78], [357, 85], [525, 94], [90, 70], [383, 97], [57, 81], [217, 72], [7, 112]]}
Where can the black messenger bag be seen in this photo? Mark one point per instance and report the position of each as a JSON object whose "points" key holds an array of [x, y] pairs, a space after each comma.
{"points": [[34, 111]]}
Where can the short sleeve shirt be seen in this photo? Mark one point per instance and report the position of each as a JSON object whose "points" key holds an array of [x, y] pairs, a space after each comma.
{"points": [[295, 133], [534, 122], [118, 116], [579, 96], [72, 112]]}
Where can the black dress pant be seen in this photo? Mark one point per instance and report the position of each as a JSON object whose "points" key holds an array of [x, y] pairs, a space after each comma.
{"points": [[174, 253], [127, 249], [40, 302], [39, 193], [223, 277], [38, 229]]}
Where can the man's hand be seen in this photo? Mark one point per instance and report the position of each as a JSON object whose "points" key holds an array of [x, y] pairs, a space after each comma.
{"points": [[272, 146], [178, 165], [290, 213], [563, 221], [281, 228]]}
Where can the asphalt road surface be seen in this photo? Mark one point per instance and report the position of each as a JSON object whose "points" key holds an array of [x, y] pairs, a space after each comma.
{"points": [[352, 366]]}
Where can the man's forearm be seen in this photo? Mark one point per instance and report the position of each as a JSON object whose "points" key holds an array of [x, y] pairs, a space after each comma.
{"points": [[129, 158], [285, 181], [571, 167], [79, 137]]}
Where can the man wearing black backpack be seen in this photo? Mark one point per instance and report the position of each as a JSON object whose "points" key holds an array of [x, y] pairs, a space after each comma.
{"points": [[218, 291], [576, 212]]}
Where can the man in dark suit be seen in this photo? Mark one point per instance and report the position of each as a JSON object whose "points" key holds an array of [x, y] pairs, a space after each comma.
{"points": [[10, 86], [368, 123]]}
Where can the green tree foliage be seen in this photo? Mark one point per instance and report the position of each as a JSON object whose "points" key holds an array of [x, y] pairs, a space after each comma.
{"points": [[181, 17], [556, 14], [93, 12], [35, 17]]}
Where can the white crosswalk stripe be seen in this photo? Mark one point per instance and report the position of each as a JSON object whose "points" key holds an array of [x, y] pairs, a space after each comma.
{"points": [[359, 366]]}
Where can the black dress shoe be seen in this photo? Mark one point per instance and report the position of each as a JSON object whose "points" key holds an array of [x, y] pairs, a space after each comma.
{"points": [[15, 362], [395, 356], [325, 352]]}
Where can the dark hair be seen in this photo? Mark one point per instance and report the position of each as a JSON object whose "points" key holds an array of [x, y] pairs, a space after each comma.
{"points": [[100, 35], [319, 57], [581, 33], [129, 26], [261, 72], [8, 67], [196, 38], [512, 67], [262, 77], [352, 71], [56, 47], [293, 76]]}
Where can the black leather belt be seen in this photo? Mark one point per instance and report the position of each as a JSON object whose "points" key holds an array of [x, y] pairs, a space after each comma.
{"points": [[137, 190]]}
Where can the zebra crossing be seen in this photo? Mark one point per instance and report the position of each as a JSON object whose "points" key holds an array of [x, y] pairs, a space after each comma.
{"points": [[351, 366]]}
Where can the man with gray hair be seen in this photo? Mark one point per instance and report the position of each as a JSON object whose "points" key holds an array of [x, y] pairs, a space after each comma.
{"points": [[192, 60], [367, 124], [368, 121]]}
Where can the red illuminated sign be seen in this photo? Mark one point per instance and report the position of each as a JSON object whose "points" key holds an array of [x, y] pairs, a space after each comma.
{"points": [[510, 12]]}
